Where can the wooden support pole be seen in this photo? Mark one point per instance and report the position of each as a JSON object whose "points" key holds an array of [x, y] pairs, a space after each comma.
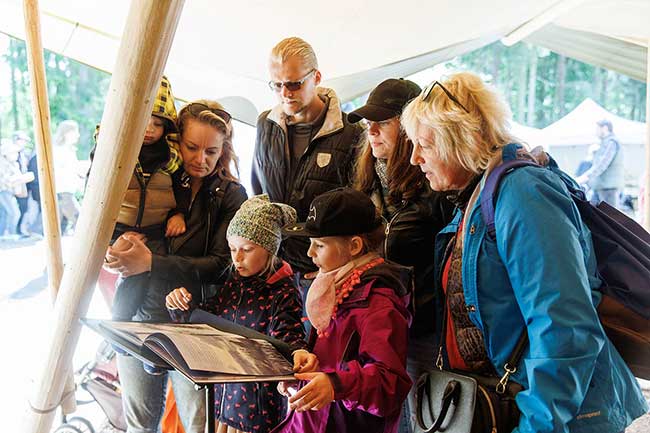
{"points": [[143, 51], [646, 194], [42, 134]]}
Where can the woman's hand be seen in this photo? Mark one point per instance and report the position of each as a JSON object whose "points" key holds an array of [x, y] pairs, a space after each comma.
{"points": [[318, 393], [133, 261], [178, 299], [304, 361]]}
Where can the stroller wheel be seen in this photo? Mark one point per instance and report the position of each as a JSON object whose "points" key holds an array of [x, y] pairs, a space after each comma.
{"points": [[76, 424], [67, 428]]}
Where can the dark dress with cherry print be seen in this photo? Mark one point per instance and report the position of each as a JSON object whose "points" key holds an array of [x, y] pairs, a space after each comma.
{"points": [[273, 307]]}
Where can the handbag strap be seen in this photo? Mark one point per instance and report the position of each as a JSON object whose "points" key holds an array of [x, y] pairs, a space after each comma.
{"points": [[450, 395], [517, 353]]}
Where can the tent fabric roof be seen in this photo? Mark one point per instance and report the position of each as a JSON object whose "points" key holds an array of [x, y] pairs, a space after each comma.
{"points": [[579, 126], [611, 53], [220, 52]]}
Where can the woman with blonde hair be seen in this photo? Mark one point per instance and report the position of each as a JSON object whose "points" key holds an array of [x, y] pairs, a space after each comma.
{"points": [[197, 259], [535, 272]]}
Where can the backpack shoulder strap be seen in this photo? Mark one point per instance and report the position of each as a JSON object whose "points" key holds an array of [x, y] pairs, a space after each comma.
{"points": [[491, 188]]}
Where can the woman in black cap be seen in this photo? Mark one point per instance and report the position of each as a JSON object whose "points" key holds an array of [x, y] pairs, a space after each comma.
{"points": [[413, 214]]}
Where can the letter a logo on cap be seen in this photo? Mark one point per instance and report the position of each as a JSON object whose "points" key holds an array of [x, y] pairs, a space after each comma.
{"points": [[312, 213]]}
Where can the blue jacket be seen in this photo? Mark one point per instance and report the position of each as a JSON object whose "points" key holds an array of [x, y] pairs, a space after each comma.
{"points": [[541, 273]]}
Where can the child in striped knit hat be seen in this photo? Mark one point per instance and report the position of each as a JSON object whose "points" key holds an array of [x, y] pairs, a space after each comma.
{"points": [[260, 294]]}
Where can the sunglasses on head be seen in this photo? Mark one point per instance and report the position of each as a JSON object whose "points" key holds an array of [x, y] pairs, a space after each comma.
{"points": [[292, 86], [197, 108], [427, 91]]}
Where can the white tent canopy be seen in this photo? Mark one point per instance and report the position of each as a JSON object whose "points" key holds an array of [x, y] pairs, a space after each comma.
{"points": [[221, 50], [569, 138], [579, 126]]}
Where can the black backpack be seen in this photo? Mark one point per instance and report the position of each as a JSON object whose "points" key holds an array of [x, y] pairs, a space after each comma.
{"points": [[622, 249]]}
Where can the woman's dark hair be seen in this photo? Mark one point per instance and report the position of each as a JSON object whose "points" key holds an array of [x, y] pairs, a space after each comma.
{"points": [[405, 181]]}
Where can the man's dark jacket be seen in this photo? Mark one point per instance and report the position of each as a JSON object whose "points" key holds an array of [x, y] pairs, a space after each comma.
{"points": [[326, 164]]}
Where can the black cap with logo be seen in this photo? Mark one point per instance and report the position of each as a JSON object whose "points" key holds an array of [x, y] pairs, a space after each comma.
{"points": [[339, 212], [386, 100]]}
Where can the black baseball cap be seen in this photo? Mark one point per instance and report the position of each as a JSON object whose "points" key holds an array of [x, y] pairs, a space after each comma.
{"points": [[339, 212], [386, 100]]}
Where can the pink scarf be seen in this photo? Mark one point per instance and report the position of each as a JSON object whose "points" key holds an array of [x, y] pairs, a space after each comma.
{"points": [[321, 297]]}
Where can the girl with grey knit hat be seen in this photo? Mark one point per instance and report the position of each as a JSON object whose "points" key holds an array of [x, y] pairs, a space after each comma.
{"points": [[259, 293]]}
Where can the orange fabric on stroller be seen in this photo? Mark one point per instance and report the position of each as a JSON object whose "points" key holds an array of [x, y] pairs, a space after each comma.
{"points": [[171, 422]]}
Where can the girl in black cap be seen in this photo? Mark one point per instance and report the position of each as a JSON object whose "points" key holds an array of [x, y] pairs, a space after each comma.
{"points": [[358, 305]]}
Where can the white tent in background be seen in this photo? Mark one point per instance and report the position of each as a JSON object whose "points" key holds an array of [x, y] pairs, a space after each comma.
{"points": [[569, 138]]}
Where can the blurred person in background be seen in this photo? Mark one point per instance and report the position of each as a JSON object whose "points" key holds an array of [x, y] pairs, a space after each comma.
{"points": [[67, 177]]}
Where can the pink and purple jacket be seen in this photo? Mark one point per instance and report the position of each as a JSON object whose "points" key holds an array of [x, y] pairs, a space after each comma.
{"points": [[365, 358]]}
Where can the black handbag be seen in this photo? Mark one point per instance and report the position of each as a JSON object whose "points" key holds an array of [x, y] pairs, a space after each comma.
{"points": [[462, 402]]}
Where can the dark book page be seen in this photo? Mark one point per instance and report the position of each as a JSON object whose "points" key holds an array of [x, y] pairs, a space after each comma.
{"points": [[206, 377], [224, 353]]}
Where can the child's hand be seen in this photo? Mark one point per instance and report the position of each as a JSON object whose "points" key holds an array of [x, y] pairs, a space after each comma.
{"points": [[120, 245], [178, 299], [318, 393], [304, 362], [287, 389], [175, 225]]}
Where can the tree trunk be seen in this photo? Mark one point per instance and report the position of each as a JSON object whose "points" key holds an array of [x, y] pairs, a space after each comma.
{"points": [[560, 88], [597, 85], [603, 87], [496, 63], [532, 81], [13, 52], [521, 92]]}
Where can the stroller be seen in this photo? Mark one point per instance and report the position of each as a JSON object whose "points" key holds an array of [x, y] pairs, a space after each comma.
{"points": [[99, 378]]}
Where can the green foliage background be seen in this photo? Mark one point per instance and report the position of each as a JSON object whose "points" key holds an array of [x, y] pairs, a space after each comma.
{"points": [[540, 86], [557, 83], [75, 92]]}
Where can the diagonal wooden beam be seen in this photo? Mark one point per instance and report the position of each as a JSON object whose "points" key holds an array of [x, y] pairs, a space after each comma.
{"points": [[143, 52], [537, 22]]}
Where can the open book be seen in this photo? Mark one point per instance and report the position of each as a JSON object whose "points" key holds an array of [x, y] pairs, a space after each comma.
{"points": [[202, 353]]}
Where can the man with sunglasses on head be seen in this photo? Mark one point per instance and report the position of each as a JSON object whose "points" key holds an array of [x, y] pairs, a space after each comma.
{"points": [[305, 145]]}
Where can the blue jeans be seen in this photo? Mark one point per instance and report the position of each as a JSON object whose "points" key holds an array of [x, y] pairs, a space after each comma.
{"points": [[422, 352], [143, 398], [303, 285], [9, 213]]}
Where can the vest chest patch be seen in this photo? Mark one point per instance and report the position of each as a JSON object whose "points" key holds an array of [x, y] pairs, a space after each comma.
{"points": [[323, 159]]}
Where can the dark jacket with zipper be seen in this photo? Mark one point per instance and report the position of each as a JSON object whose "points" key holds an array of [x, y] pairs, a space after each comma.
{"points": [[326, 164], [411, 229], [271, 306], [197, 258]]}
